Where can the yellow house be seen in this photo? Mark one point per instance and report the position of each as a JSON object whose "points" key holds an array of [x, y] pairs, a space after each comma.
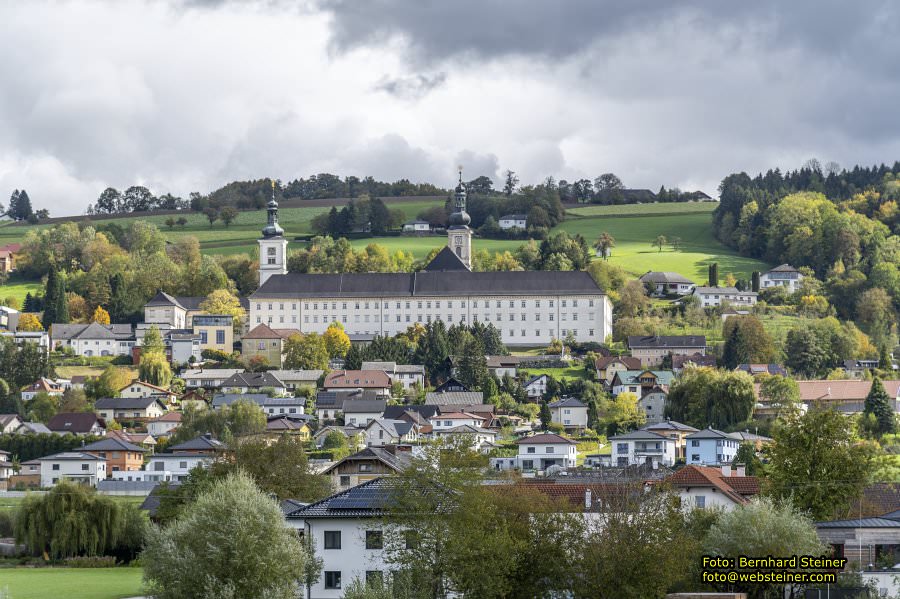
{"points": [[216, 331], [266, 342]]}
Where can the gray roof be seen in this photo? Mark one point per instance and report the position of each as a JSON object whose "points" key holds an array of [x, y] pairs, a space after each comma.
{"points": [[568, 402], [711, 433], [368, 500], [860, 523], [252, 379], [202, 442], [389, 459], [358, 406], [226, 399], [666, 341], [723, 291], [333, 400], [423, 283], [393, 367], [297, 375], [669, 425], [395, 412], [112, 444], [72, 456], [163, 299], [640, 435], [446, 260], [91, 331], [36, 427], [454, 398], [664, 277], [127, 403], [514, 217], [398, 428], [210, 373], [783, 268]]}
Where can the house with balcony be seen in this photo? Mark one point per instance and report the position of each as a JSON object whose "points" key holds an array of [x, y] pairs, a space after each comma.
{"points": [[667, 283], [642, 447], [676, 431], [711, 447], [365, 465], [651, 349], [358, 380], [704, 487], [76, 466], [120, 455], [710, 297], [381, 432], [215, 331], [208, 378], [540, 452], [126, 409], [784, 275]]}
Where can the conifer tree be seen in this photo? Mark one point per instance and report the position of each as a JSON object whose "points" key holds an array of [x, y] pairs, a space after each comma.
{"points": [[878, 404]]}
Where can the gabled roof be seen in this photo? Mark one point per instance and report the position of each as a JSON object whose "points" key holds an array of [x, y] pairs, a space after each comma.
{"points": [[630, 362], [6, 419], [368, 500], [842, 390], [535, 379], [667, 341], [395, 412], [458, 416], [664, 277], [262, 331], [450, 384], [226, 399], [73, 422], [297, 375], [168, 417], [568, 402], [723, 291], [203, 442], [680, 361], [861, 523], [333, 400], [397, 428], [112, 444], [44, 384], [73, 456], [127, 403], [641, 435], [736, 488], [389, 459], [358, 379], [163, 299], [146, 384], [364, 406], [91, 331], [283, 423], [210, 373], [631, 377], [252, 379], [711, 433], [446, 260], [514, 217], [783, 268], [669, 425], [754, 369], [450, 398], [545, 439]]}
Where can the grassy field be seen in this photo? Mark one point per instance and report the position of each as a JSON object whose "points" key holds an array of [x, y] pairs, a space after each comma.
{"points": [[12, 503], [644, 209], [19, 288], [568, 374], [68, 372], [71, 583]]}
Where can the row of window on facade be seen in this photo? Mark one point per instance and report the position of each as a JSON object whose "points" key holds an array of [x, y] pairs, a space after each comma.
{"points": [[326, 319], [427, 304]]}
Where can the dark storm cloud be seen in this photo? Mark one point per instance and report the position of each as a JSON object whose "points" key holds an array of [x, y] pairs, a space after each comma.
{"points": [[412, 87]]}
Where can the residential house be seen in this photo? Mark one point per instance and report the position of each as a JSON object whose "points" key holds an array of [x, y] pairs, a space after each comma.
{"points": [[847, 396], [676, 431], [642, 447], [267, 343], [569, 412], [641, 381], [717, 296], [536, 387], [857, 369], [479, 438], [164, 425], [539, 452], [416, 226], [349, 380], [348, 532], [366, 465], [450, 385], [9, 318], [33, 428], [608, 366], [454, 398], [29, 476], [77, 423], [407, 374], [651, 349], [181, 346], [501, 366], [253, 382], [784, 275], [286, 425], [864, 541], [711, 447], [39, 338], [679, 363], [196, 398], [706, 487], [329, 404], [728, 312], [449, 420], [356, 438], [424, 411], [141, 439], [653, 403], [120, 456], [8, 257], [514, 221], [272, 406], [10, 423], [76, 466], [93, 339], [137, 388], [361, 412], [176, 464], [44, 385], [296, 379], [381, 432], [208, 378], [757, 441], [6, 469], [177, 312], [126, 409], [757, 369], [216, 332], [667, 283]]}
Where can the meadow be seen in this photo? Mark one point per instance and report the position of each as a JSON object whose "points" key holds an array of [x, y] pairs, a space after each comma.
{"points": [[10, 504], [634, 228], [71, 583]]}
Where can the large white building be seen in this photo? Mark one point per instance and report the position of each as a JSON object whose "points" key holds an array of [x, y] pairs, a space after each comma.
{"points": [[528, 308]]}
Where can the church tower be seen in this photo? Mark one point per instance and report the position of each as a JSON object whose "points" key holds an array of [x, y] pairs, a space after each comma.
{"points": [[459, 235], [272, 245]]}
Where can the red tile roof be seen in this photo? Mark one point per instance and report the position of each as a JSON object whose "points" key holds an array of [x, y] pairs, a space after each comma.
{"points": [[262, 331], [736, 488], [630, 362], [545, 438], [358, 379]]}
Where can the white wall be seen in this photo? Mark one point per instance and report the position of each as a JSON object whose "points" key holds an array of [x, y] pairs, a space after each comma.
{"points": [[96, 470], [570, 417], [708, 452], [352, 560], [177, 465]]}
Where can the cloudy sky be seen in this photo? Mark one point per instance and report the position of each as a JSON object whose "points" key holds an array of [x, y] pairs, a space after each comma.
{"points": [[187, 95]]}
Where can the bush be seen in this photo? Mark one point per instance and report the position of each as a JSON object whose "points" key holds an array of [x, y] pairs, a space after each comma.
{"points": [[7, 525]]}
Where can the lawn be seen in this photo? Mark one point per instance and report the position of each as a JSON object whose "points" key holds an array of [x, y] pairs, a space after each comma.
{"points": [[71, 583], [560, 374], [18, 288], [12, 503], [644, 209]]}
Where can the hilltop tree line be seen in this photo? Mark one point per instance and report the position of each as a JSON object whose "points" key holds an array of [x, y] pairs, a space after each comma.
{"points": [[20, 208]]}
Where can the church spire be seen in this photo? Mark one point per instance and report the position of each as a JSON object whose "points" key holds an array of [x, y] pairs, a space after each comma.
{"points": [[272, 228], [459, 217]]}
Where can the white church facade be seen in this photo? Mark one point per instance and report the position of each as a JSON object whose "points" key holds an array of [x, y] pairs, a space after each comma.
{"points": [[527, 307]]}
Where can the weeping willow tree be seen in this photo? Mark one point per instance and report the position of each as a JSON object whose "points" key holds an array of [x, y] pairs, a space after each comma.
{"points": [[71, 520]]}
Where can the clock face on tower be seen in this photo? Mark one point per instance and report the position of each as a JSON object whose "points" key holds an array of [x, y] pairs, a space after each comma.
{"points": [[457, 240]]}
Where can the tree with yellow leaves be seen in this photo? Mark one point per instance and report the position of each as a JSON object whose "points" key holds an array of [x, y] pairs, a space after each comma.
{"points": [[222, 301], [29, 323], [100, 316], [336, 340]]}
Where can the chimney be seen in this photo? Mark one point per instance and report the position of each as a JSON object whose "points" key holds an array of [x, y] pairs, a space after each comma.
{"points": [[726, 470], [741, 470], [587, 499]]}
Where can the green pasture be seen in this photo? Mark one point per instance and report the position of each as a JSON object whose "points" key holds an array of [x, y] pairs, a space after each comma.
{"points": [[71, 583], [643, 209]]}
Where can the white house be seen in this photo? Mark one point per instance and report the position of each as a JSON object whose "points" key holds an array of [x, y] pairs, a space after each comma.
{"points": [[716, 296], [381, 432], [129, 408], [711, 447], [294, 379], [76, 466], [171, 466], [272, 406], [53, 388], [407, 374], [164, 425], [642, 447], [536, 386], [450, 420], [570, 413], [348, 533], [10, 423], [704, 487], [510, 221], [653, 403], [416, 226], [93, 339], [360, 412], [137, 388], [539, 452], [208, 378], [667, 283], [784, 276], [480, 437]]}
